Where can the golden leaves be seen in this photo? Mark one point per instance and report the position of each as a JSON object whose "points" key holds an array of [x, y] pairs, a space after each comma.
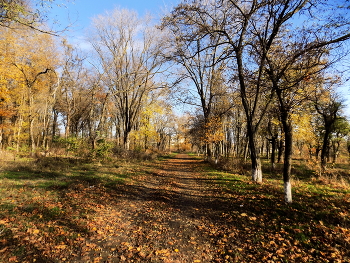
{"points": [[157, 223], [213, 130]]}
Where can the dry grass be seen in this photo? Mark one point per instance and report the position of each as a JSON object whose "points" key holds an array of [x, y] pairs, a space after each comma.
{"points": [[6, 156], [62, 209], [332, 179]]}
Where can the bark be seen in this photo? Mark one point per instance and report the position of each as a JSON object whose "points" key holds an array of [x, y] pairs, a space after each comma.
{"points": [[288, 147], [126, 140], [256, 170], [262, 148], [67, 128], [280, 151], [336, 146], [245, 150], [329, 113], [317, 153], [325, 149], [287, 167], [310, 147], [255, 158], [267, 149], [238, 141], [273, 152], [31, 135]]}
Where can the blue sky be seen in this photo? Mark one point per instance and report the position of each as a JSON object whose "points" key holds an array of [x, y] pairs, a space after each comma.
{"points": [[80, 12], [77, 15]]}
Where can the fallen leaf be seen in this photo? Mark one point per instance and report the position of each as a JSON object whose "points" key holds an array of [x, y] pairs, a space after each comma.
{"points": [[13, 259]]}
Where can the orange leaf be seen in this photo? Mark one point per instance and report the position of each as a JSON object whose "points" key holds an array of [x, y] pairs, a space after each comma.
{"points": [[13, 259]]}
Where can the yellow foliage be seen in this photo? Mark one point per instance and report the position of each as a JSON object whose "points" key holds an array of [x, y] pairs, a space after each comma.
{"points": [[213, 130], [27, 74], [303, 128]]}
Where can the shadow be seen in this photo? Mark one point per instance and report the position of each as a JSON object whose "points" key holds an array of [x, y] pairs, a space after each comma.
{"points": [[175, 203], [186, 178], [30, 174], [188, 158]]}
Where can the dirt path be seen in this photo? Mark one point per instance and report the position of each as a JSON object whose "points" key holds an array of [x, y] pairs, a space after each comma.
{"points": [[171, 215], [168, 211]]}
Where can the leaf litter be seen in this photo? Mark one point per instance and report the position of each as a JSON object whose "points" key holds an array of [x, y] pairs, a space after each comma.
{"points": [[170, 212]]}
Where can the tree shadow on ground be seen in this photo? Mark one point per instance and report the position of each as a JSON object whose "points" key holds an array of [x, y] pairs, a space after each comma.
{"points": [[232, 217]]}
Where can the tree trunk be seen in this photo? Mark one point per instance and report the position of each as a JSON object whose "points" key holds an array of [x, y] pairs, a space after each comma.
{"points": [[280, 151], [325, 150], [67, 128], [255, 158], [31, 135], [245, 150], [336, 146], [208, 152], [288, 151], [126, 141], [310, 151], [256, 170], [238, 141], [317, 153], [273, 153], [287, 167], [267, 149], [262, 148]]}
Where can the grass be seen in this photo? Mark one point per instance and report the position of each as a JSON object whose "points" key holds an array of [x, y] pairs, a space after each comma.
{"points": [[318, 220], [52, 204], [50, 200], [166, 157]]}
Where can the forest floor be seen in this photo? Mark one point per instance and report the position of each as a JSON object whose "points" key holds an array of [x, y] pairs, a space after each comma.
{"points": [[177, 209]]}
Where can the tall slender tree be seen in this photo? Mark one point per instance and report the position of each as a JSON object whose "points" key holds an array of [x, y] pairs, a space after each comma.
{"points": [[328, 105], [129, 57], [200, 61], [259, 34]]}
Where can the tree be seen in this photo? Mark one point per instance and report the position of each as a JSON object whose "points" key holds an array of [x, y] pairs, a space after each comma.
{"points": [[238, 25], [341, 130], [273, 132], [152, 128], [128, 51], [73, 100], [200, 61], [306, 129], [273, 46], [329, 106], [41, 65], [15, 12], [292, 64], [8, 87], [21, 14], [33, 59]]}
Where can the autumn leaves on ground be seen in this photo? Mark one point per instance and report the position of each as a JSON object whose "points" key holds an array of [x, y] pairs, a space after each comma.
{"points": [[176, 209]]}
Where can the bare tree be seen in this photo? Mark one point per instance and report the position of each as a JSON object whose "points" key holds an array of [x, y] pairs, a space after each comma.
{"points": [[235, 24], [329, 106], [72, 100], [128, 51], [266, 41], [25, 14], [200, 58], [295, 60]]}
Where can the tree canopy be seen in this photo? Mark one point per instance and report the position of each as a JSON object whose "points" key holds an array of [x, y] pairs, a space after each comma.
{"points": [[259, 76]]}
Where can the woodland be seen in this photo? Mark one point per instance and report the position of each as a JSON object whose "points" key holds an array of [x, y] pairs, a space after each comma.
{"points": [[261, 78], [249, 88]]}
